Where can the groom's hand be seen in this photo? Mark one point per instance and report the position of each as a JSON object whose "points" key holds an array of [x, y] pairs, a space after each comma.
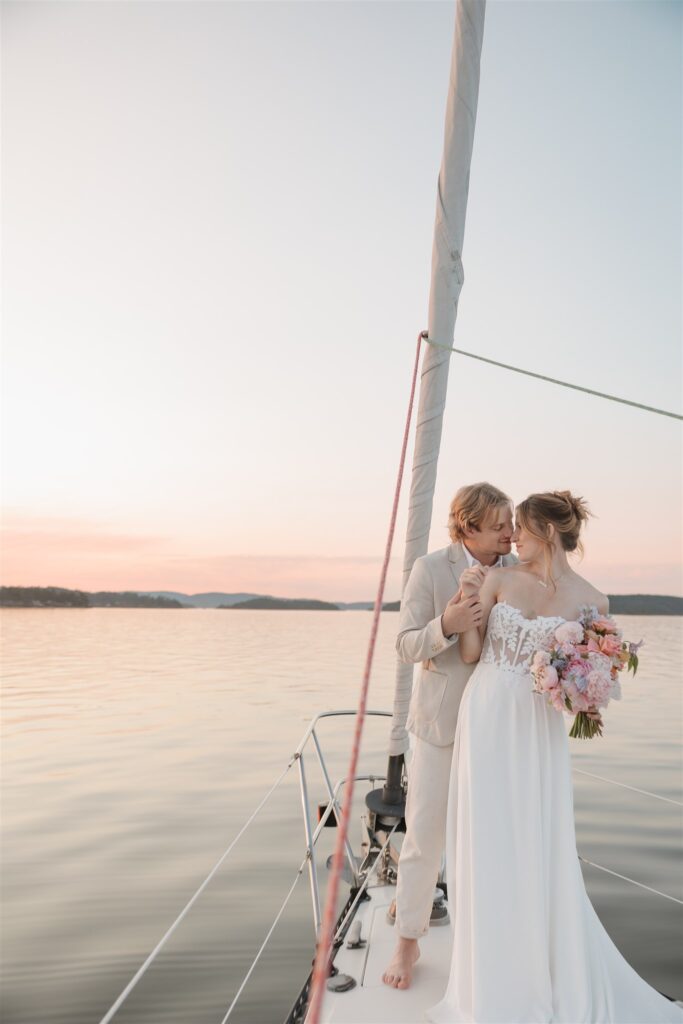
{"points": [[462, 613]]}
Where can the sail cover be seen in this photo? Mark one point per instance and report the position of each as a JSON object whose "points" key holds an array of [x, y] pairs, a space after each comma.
{"points": [[446, 283]]}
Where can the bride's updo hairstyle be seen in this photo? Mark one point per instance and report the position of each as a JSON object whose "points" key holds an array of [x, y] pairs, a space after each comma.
{"points": [[566, 513]]}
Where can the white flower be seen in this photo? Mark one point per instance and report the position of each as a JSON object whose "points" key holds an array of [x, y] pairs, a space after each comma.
{"points": [[569, 633]]}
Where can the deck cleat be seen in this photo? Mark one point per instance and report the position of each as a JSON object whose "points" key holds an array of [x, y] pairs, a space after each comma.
{"points": [[438, 916], [341, 983], [354, 940]]}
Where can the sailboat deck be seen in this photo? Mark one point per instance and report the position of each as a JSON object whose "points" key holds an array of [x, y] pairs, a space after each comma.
{"points": [[373, 1002], [371, 999]]}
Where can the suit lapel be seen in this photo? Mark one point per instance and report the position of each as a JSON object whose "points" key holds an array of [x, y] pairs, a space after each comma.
{"points": [[457, 559]]}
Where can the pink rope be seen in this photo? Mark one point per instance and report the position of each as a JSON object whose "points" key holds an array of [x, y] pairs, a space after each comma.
{"points": [[322, 959]]}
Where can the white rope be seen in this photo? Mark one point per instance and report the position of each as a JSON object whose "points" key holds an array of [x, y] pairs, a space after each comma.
{"points": [[635, 789], [152, 956], [263, 944], [553, 380], [631, 880]]}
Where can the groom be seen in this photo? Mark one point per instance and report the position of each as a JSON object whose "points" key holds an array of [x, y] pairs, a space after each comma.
{"points": [[433, 614]]}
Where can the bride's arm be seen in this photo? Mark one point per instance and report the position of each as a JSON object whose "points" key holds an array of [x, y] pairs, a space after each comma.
{"points": [[472, 641]]}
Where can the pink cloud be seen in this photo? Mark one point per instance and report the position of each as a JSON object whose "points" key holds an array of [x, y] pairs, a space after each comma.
{"points": [[84, 554], [81, 554]]}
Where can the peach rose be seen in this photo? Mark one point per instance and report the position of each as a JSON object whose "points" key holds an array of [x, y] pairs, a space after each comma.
{"points": [[610, 644], [604, 624]]}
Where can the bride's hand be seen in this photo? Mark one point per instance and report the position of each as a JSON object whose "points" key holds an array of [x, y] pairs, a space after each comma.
{"points": [[471, 580]]}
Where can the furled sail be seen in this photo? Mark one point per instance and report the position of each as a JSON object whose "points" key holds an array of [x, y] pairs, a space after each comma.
{"points": [[446, 283]]}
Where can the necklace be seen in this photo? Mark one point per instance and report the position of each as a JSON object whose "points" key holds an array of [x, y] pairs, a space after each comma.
{"points": [[542, 583]]}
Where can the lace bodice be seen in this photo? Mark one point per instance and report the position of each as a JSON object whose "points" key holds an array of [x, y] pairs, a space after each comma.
{"points": [[511, 639]]}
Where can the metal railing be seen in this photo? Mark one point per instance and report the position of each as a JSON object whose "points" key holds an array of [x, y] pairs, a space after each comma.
{"points": [[309, 859], [311, 838]]}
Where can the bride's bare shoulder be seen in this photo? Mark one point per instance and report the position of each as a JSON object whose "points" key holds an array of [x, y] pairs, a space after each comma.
{"points": [[498, 580], [496, 573], [491, 585], [591, 595], [510, 572]]}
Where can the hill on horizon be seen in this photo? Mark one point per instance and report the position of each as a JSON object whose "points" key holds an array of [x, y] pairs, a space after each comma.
{"points": [[207, 599], [293, 604], [62, 597]]}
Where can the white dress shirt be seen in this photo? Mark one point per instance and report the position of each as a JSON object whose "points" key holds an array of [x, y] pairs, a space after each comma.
{"points": [[471, 560]]}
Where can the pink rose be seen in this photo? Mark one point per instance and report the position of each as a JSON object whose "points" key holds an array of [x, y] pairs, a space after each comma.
{"points": [[582, 703], [578, 699], [547, 677], [569, 633], [557, 699], [598, 689], [572, 690]]}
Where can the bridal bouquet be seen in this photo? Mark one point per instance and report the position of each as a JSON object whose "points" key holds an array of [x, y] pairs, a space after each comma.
{"points": [[580, 673]]}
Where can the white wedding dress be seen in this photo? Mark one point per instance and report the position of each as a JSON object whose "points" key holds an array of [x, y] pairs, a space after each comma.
{"points": [[528, 946]]}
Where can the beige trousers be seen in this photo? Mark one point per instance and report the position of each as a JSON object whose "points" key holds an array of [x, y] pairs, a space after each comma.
{"points": [[421, 856]]}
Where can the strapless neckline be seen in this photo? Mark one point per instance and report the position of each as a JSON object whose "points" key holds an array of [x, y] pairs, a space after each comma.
{"points": [[526, 618]]}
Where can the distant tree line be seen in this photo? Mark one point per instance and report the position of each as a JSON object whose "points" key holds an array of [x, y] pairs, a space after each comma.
{"points": [[60, 597], [283, 603]]}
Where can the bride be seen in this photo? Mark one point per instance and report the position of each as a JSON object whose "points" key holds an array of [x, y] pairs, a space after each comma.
{"points": [[528, 945]]}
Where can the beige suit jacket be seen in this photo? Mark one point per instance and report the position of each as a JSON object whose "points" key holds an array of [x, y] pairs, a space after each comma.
{"points": [[442, 676]]}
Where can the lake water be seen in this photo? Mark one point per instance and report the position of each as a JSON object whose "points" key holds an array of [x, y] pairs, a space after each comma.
{"points": [[136, 743]]}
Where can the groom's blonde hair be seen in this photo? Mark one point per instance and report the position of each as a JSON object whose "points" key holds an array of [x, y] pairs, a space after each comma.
{"points": [[471, 507]]}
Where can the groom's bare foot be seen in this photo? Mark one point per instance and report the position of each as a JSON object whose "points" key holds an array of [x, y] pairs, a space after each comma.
{"points": [[399, 973]]}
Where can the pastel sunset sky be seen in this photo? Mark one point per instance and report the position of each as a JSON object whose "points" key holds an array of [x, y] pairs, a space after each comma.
{"points": [[217, 224]]}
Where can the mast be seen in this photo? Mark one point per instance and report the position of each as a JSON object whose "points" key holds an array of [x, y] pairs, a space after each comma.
{"points": [[446, 283]]}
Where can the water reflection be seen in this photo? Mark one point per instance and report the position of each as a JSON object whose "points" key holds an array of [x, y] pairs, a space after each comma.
{"points": [[136, 742]]}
